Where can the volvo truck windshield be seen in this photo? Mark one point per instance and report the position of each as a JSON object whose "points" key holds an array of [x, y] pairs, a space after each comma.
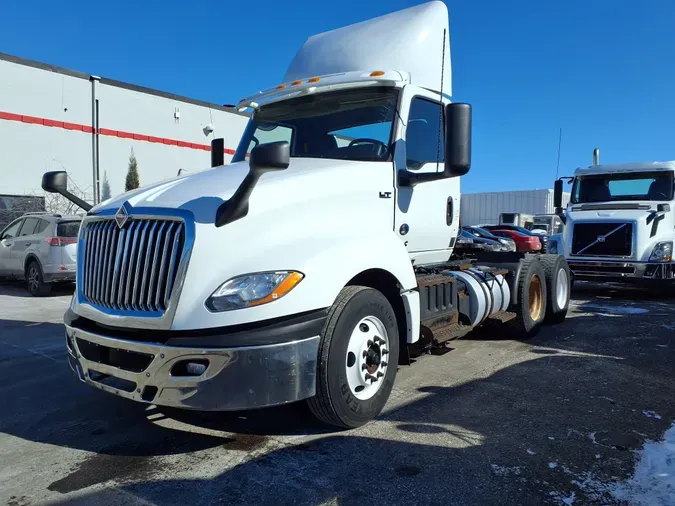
{"points": [[654, 186]]}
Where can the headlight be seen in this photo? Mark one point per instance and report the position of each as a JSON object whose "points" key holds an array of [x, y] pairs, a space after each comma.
{"points": [[663, 252], [252, 290], [553, 247]]}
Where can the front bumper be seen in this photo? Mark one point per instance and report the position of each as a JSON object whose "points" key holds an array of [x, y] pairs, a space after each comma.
{"points": [[626, 271], [235, 378]]}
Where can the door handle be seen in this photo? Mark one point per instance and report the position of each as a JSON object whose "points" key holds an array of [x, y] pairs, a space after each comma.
{"points": [[449, 211]]}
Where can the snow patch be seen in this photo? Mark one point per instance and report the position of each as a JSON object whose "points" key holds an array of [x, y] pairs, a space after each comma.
{"points": [[651, 414], [569, 500], [616, 310], [653, 483], [552, 465], [506, 471], [530, 452]]}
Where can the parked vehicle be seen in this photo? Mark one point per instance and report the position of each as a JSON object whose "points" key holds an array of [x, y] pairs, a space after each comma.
{"points": [[507, 242], [40, 248], [547, 224], [469, 245], [524, 243], [543, 239], [311, 268], [620, 223], [518, 219]]}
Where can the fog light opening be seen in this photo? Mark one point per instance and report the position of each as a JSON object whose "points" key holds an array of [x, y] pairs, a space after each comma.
{"points": [[193, 368]]}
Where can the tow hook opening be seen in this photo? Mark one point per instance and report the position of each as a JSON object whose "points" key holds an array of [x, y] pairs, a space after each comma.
{"points": [[192, 368]]}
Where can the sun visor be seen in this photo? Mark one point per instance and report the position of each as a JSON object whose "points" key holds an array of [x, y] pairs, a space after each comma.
{"points": [[410, 40]]}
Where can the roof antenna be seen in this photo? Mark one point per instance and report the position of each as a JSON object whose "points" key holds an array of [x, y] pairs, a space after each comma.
{"points": [[596, 156], [440, 116]]}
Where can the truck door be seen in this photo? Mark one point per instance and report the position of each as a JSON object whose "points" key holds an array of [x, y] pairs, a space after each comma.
{"points": [[427, 215]]}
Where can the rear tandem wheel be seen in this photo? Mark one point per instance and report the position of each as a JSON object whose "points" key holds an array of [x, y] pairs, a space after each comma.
{"points": [[531, 304]]}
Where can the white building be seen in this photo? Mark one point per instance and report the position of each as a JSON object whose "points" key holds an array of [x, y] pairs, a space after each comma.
{"points": [[53, 118], [485, 208]]}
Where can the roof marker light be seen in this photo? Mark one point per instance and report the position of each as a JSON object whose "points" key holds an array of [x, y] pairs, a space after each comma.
{"points": [[281, 87], [377, 73], [295, 83], [314, 80]]}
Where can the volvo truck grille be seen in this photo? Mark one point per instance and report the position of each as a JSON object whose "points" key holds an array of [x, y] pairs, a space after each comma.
{"points": [[602, 239], [132, 268]]}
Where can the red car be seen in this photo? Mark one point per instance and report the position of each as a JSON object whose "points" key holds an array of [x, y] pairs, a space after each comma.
{"points": [[523, 242]]}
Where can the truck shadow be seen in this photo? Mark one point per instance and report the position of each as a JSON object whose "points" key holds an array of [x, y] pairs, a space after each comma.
{"points": [[488, 441], [16, 288]]}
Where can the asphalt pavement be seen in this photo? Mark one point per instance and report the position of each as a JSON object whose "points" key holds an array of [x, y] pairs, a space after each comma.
{"points": [[554, 420]]}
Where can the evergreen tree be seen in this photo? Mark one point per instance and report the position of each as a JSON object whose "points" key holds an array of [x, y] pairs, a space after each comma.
{"points": [[105, 188], [132, 181]]}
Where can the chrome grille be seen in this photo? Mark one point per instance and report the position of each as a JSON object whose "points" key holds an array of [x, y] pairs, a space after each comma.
{"points": [[133, 268]]}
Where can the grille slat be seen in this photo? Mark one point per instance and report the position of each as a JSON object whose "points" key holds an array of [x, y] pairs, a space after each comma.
{"points": [[132, 266], [608, 239], [161, 282], [153, 276], [172, 267], [132, 269]]}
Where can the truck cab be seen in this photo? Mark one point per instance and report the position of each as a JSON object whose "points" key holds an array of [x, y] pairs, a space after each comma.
{"points": [[619, 223], [306, 268]]}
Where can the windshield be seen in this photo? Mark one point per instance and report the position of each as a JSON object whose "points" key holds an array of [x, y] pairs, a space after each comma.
{"points": [[347, 125], [630, 186]]}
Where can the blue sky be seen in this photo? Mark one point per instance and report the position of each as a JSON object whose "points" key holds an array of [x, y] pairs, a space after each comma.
{"points": [[600, 69]]}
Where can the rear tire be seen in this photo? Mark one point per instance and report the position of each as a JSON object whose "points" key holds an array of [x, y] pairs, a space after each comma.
{"points": [[35, 280], [359, 341], [558, 286], [530, 307]]}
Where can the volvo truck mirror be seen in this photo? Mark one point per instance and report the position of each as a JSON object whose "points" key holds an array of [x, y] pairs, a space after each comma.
{"points": [[217, 152]]}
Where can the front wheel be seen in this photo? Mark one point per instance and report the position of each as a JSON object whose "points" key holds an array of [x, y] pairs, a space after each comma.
{"points": [[358, 358]]}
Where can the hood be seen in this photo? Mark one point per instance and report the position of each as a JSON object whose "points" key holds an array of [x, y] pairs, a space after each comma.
{"points": [[202, 192]]}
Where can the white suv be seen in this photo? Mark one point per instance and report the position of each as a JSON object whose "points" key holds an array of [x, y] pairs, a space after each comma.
{"points": [[40, 248]]}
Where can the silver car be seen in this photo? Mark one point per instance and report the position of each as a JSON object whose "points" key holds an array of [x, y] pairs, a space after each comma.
{"points": [[40, 248]]}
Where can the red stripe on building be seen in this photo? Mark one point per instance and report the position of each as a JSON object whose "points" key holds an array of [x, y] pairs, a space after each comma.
{"points": [[8, 116]]}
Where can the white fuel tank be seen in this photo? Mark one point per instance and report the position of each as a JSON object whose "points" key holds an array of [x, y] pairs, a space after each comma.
{"points": [[488, 293]]}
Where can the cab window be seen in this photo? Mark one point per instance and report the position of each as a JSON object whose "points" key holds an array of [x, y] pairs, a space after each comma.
{"points": [[424, 139]]}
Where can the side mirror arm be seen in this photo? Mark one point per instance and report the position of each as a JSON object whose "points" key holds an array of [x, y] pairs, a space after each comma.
{"points": [[407, 178]]}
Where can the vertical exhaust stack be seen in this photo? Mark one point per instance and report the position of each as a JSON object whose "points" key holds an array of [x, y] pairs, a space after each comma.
{"points": [[596, 156]]}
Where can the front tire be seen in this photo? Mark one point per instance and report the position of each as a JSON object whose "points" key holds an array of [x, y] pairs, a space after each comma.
{"points": [[35, 280], [358, 358], [558, 285]]}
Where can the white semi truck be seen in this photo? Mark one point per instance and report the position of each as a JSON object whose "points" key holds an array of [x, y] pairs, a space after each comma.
{"points": [[619, 223], [310, 266]]}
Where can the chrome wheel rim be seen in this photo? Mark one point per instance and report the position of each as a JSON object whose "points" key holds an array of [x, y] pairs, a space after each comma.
{"points": [[367, 357], [561, 288], [33, 279]]}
